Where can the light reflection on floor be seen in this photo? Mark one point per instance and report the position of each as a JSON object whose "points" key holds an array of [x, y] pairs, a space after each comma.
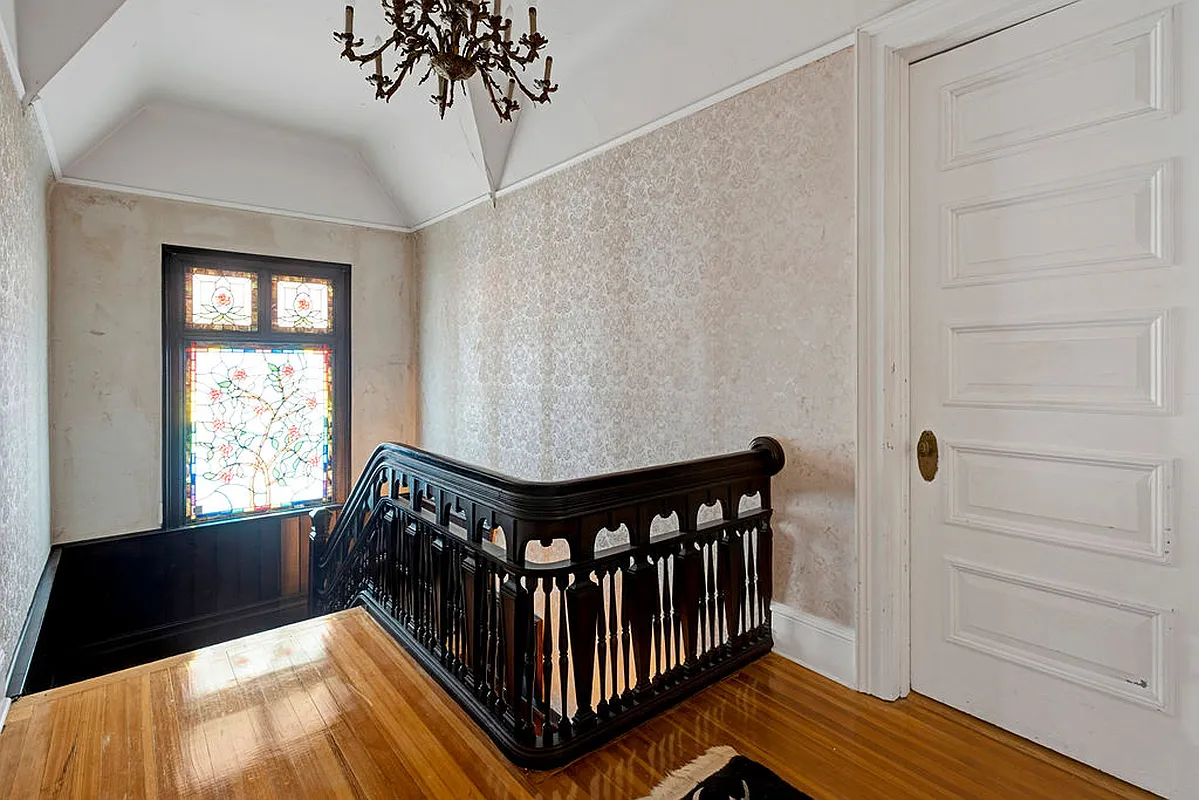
{"points": [[246, 704]]}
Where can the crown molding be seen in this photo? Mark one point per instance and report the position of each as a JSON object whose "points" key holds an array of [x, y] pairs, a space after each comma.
{"points": [[208, 201]]}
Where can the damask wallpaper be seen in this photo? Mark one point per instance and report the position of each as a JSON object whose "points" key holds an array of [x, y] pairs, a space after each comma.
{"points": [[24, 447], [671, 298]]}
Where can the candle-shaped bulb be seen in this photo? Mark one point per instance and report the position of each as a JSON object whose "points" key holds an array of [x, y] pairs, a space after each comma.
{"points": [[511, 88], [379, 65], [350, 21], [532, 21], [508, 33], [549, 63], [496, 10]]}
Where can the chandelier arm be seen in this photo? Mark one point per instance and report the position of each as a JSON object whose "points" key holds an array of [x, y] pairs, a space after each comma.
{"points": [[405, 69], [373, 54], [492, 88]]}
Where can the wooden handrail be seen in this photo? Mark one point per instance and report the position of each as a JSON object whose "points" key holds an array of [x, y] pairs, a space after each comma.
{"points": [[536, 510]]}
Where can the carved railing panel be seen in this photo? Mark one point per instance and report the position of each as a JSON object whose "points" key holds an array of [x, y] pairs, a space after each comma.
{"points": [[552, 659]]}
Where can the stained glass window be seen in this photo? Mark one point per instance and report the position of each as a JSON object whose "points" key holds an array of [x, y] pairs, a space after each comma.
{"points": [[302, 304], [220, 300], [259, 424]]}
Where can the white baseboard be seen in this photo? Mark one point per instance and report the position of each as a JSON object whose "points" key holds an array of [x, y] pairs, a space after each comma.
{"points": [[815, 643], [5, 704]]}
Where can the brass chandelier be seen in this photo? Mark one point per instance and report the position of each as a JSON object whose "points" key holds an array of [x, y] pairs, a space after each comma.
{"points": [[458, 38]]}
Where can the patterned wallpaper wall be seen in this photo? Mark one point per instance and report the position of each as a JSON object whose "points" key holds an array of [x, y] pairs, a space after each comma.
{"points": [[24, 444], [671, 298]]}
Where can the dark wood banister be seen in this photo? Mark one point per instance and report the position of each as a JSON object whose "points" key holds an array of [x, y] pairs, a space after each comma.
{"points": [[629, 631], [544, 503]]}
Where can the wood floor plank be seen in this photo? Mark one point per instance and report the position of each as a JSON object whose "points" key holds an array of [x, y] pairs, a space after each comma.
{"points": [[60, 749], [333, 708], [26, 779], [10, 748], [113, 734]]}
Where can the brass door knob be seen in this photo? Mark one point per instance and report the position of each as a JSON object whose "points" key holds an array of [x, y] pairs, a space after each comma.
{"points": [[926, 455]]}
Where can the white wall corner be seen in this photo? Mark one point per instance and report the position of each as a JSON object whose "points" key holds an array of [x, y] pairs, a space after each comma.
{"points": [[816, 643]]}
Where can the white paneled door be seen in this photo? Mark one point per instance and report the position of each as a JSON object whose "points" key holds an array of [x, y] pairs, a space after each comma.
{"points": [[1054, 261]]}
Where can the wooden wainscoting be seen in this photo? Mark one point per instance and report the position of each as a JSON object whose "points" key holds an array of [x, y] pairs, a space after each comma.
{"points": [[132, 599], [332, 707]]}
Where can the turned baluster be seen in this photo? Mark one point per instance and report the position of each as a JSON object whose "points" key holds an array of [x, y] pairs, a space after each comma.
{"points": [[640, 612], [732, 563], [441, 626], [713, 608], [318, 539], [563, 653], [547, 656], [491, 631], [667, 617], [601, 650], [688, 582], [613, 645], [517, 613], [765, 569], [583, 599], [529, 683], [626, 637], [752, 591], [471, 581]]}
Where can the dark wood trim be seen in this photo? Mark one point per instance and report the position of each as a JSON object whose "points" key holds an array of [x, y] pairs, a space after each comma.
{"points": [[139, 647], [121, 601], [549, 501], [200, 526], [31, 632], [543, 511], [175, 338], [414, 546]]}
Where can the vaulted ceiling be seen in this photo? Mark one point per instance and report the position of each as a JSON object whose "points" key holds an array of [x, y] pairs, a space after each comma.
{"points": [[245, 102]]}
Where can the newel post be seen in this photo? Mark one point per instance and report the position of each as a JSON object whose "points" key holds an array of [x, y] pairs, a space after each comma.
{"points": [[318, 538]]}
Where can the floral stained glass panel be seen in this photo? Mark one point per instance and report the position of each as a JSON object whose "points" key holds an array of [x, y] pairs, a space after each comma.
{"points": [[221, 300], [302, 304], [259, 429]]}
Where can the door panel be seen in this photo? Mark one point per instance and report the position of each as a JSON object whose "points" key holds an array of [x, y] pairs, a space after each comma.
{"points": [[1053, 223]]}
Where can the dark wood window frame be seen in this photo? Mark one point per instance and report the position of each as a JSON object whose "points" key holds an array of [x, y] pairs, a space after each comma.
{"points": [[177, 337]]}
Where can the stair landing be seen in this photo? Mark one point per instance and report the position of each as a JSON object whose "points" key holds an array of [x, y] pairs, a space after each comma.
{"points": [[332, 707]]}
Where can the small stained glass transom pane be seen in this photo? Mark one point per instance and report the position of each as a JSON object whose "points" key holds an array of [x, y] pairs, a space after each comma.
{"points": [[303, 304], [259, 427], [221, 300]]}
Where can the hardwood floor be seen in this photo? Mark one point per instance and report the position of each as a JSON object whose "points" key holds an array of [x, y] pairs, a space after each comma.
{"points": [[333, 708]]}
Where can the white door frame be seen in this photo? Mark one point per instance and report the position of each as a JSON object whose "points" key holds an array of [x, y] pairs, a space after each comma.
{"points": [[884, 50]]}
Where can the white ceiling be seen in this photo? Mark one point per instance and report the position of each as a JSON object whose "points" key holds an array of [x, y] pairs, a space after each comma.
{"points": [[245, 102]]}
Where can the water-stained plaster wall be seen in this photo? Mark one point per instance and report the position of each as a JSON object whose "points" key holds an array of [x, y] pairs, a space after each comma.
{"points": [[24, 459], [671, 298], [106, 382]]}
